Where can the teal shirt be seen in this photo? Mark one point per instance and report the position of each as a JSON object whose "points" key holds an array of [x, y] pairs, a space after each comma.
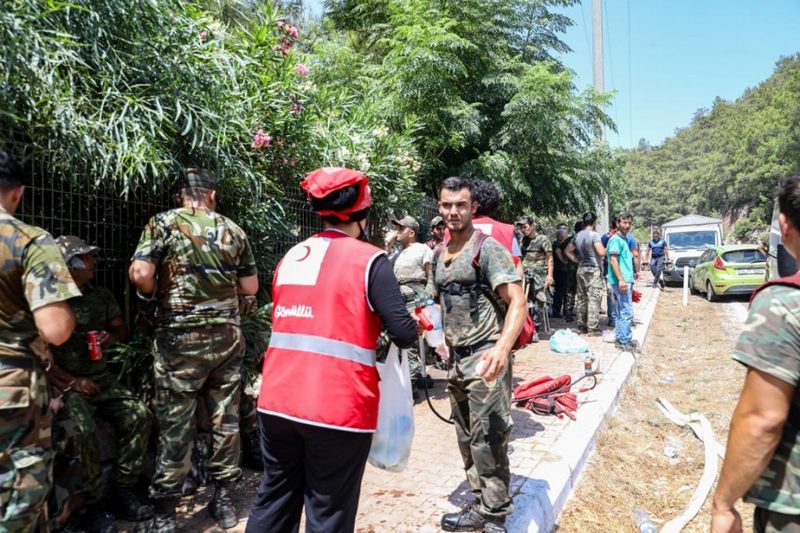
{"points": [[618, 246]]}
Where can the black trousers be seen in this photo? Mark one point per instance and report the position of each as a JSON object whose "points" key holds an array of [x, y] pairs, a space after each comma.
{"points": [[307, 465], [561, 279]]}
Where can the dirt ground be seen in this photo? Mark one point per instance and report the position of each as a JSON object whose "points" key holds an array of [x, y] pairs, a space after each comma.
{"points": [[685, 360]]}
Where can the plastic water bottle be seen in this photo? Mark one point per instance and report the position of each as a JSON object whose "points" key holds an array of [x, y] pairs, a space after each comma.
{"points": [[435, 335], [643, 522]]}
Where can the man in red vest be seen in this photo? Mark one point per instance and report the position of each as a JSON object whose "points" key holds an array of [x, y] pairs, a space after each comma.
{"points": [[485, 193], [318, 405], [762, 460]]}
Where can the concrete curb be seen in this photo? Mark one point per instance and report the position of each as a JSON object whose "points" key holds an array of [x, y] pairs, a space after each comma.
{"points": [[542, 496]]}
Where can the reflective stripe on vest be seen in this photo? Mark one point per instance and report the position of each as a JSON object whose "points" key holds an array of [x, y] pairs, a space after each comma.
{"points": [[323, 346]]}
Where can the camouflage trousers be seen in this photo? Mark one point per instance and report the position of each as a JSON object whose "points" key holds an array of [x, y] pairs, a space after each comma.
{"points": [[131, 421], [26, 454], [572, 287], [191, 366], [537, 276], [415, 361], [482, 418], [589, 297]]}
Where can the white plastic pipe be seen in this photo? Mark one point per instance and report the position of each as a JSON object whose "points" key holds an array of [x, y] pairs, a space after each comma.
{"points": [[685, 285]]}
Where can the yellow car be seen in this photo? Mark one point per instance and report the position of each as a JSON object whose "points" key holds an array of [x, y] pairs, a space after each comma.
{"points": [[724, 270]]}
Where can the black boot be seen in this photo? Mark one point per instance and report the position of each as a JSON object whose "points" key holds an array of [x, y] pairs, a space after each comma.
{"points": [[467, 519], [163, 520], [126, 505], [96, 520], [221, 507]]}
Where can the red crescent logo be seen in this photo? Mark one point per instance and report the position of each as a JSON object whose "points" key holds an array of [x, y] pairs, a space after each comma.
{"points": [[308, 252]]}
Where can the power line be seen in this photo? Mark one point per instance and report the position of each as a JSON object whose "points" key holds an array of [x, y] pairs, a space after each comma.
{"points": [[585, 30], [610, 66], [630, 82]]}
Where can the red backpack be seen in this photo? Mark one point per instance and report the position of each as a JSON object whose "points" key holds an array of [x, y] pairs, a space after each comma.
{"points": [[528, 326]]}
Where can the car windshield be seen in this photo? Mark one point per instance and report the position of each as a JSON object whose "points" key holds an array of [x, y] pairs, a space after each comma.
{"points": [[691, 239], [744, 256]]}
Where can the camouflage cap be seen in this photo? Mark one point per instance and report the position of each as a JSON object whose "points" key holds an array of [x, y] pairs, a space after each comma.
{"points": [[198, 177], [407, 222], [435, 221], [70, 246]]}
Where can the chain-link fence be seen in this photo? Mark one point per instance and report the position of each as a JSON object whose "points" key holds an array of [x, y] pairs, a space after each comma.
{"points": [[101, 217]]}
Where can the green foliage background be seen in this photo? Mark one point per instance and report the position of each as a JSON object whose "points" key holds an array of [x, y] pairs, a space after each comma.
{"points": [[728, 161], [122, 94]]}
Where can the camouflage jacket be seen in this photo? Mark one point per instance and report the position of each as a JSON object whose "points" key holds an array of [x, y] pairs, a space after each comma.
{"points": [[770, 342], [461, 327], [534, 251], [93, 311], [199, 256], [32, 274]]}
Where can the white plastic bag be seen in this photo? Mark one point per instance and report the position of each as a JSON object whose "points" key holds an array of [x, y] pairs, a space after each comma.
{"points": [[391, 443]]}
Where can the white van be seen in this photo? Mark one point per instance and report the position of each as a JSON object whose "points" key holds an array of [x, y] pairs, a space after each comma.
{"points": [[687, 238]]}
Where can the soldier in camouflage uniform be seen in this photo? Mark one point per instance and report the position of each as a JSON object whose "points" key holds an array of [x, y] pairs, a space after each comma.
{"points": [[762, 460], [34, 286], [480, 333], [412, 269], [95, 392], [196, 263], [537, 262]]}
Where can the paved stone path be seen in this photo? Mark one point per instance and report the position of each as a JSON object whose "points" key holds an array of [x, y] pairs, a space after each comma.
{"points": [[547, 453]]}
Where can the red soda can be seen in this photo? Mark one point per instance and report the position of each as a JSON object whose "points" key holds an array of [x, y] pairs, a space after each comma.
{"points": [[95, 352]]}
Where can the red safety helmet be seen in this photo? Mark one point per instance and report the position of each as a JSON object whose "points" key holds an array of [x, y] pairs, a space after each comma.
{"points": [[323, 181]]}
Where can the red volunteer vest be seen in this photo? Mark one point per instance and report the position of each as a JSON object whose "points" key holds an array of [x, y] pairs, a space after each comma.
{"points": [[502, 233], [320, 364]]}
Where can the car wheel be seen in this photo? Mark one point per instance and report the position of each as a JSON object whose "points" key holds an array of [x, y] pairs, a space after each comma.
{"points": [[711, 296], [692, 288]]}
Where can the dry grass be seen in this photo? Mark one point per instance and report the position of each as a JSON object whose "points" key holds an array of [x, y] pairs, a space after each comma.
{"points": [[629, 467]]}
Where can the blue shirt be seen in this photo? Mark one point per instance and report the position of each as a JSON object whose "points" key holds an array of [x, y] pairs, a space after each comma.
{"points": [[657, 247], [617, 245]]}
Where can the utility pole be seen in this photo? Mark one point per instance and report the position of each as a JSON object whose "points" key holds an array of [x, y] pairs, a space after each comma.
{"points": [[599, 86]]}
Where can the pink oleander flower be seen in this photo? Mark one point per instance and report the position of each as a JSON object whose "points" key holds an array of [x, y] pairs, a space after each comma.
{"points": [[204, 35], [260, 140], [279, 24], [292, 31], [301, 70]]}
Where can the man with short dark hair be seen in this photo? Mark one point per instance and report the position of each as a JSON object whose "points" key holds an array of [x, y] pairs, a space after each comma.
{"points": [[35, 285], [197, 264], [590, 253], [657, 254], [620, 278], [483, 312], [762, 460]]}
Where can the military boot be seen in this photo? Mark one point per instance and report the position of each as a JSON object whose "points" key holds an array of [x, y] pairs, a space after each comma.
{"points": [[467, 519], [221, 506], [163, 520], [126, 505]]}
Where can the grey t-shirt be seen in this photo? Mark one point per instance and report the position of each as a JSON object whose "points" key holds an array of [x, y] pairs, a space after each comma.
{"points": [[584, 245]]}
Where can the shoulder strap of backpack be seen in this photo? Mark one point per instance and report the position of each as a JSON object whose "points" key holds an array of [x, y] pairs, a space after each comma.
{"points": [[480, 280]]}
